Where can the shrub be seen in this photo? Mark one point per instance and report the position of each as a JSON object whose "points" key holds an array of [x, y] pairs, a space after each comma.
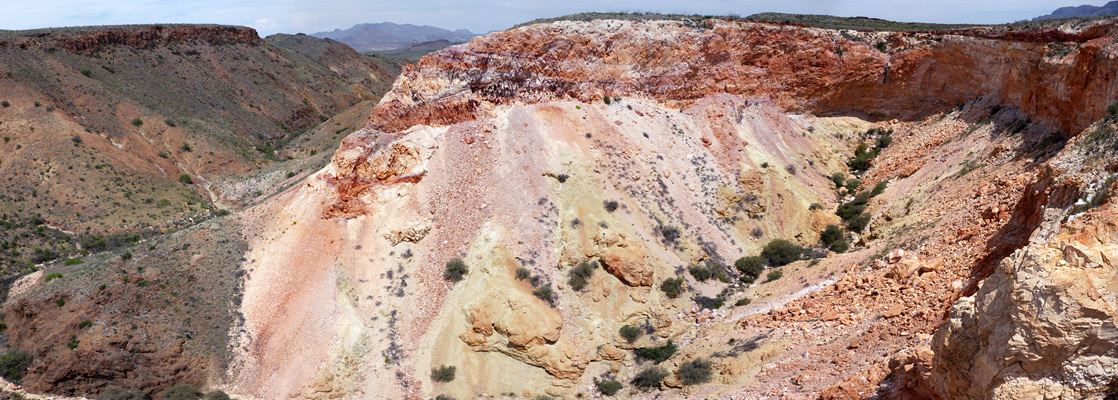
{"points": [[879, 188], [831, 234], [138, 122], [85, 324], [73, 261], [701, 273], [610, 205], [649, 378], [884, 141], [630, 333], [544, 292], [51, 276], [182, 391], [455, 270], [578, 277], [658, 353], [5, 104], [774, 275], [114, 392], [217, 395], [13, 363], [670, 233], [290, 174], [840, 246], [126, 256], [522, 273], [171, 123], [184, 178], [60, 302], [858, 223], [710, 303], [853, 184], [606, 99], [87, 72], [838, 178], [672, 287], [444, 373], [562, 177], [779, 252], [744, 301], [764, 165], [608, 387], [695, 371], [186, 147]]}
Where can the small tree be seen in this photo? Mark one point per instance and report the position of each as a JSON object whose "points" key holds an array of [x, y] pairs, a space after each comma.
{"points": [[608, 387], [13, 363], [831, 234], [455, 270], [780, 252], [444, 373], [138, 122], [650, 378], [695, 371], [182, 391], [630, 333], [750, 267], [184, 178], [672, 287]]}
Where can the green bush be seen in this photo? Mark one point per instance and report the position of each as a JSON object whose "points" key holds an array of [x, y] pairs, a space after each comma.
{"points": [[87, 72], [670, 233], [658, 353], [217, 395], [840, 246], [649, 378], [60, 302], [608, 387], [13, 363], [853, 185], [695, 371], [630, 333], [779, 252], [750, 267], [879, 188], [73, 261], [1111, 110], [85, 324], [700, 272], [544, 293], [578, 277], [5, 104], [444, 373], [744, 301], [672, 287], [774, 275], [114, 392], [171, 123], [831, 234], [858, 223], [51, 276], [138, 122], [184, 178], [522, 273], [455, 270], [182, 391]]}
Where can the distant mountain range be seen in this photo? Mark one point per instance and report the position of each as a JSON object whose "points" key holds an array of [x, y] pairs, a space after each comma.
{"points": [[388, 36], [1085, 10]]}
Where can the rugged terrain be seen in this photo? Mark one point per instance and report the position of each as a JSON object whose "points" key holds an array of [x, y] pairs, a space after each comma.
{"points": [[515, 207]]}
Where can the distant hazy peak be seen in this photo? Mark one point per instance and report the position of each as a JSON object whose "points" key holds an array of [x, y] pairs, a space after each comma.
{"points": [[1085, 10], [388, 35]]}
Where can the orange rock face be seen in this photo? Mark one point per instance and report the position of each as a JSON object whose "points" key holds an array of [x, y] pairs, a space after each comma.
{"points": [[1065, 84]]}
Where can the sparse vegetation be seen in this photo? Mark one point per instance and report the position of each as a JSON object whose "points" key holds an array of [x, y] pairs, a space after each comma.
{"points": [[610, 205], [51, 276], [672, 287], [114, 392], [608, 387], [695, 371], [774, 275], [579, 276], [522, 273], [182, 391], [649, 378], [73, 261], [138, 122], [630, 333], [217, 395], [744, 301], [5, 104], [13, 363], [544, 292], [455, 270], [443, 373], [657, 354], [780, 252], [87, 73], [670, 233]]}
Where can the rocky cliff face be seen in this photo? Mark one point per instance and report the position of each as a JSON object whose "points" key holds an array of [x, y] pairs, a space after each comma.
{"points": [[646, 148]]}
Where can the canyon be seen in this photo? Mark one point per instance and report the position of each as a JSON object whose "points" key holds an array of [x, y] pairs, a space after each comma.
{"points": [[516, 204]]}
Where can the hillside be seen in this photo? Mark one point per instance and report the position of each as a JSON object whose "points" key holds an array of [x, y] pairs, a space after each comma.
{"points": [[111, 134], [1083, 11], [388, 36], [643, 208]]}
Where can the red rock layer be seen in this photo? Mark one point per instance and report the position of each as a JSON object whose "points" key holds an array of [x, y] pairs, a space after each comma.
{"points": [[1065, 84]]}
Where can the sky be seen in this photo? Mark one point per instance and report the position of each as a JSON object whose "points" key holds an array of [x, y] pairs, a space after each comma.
{"points": [[479, 16]]}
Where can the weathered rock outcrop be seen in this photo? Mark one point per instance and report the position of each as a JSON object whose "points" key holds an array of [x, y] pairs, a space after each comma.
{"points": [[1043, 325]]}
